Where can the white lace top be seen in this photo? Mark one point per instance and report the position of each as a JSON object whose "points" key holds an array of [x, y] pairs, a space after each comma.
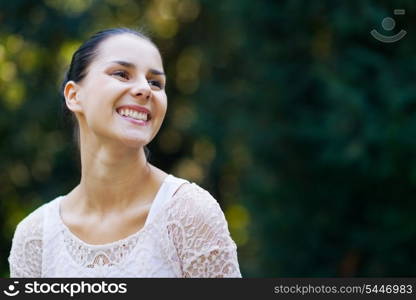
{"points": [[185, 235]]}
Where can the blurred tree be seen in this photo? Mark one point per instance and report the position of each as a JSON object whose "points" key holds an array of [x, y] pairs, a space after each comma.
{"points": [[289, 112]]}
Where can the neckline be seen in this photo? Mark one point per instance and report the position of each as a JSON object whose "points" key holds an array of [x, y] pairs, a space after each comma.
{"points": [[120, 241]]}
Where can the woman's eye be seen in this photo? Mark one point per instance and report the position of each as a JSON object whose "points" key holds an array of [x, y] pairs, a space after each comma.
{"points": [[122, 74], [155, 83]]}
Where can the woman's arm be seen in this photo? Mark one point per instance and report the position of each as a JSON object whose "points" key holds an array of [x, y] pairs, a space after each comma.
{"points": [[25, 259], [201, 236]]}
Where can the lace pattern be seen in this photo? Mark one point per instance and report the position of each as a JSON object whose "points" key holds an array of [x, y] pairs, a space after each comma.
{"points": [[200, 233], [25, 257], [188, 237], [91, 257]]}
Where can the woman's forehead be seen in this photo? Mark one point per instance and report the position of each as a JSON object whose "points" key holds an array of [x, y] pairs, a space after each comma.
{"points": [[130, 48]]}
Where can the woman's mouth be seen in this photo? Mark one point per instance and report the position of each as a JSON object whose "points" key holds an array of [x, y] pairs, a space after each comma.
{"points": [[135, 117]]}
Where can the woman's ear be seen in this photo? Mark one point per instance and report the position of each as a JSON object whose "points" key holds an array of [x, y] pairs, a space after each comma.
{"points": [[71, 93]]}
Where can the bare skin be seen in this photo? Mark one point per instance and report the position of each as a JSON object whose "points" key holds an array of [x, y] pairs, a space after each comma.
{"points": [[117, 185], [96, 227]]}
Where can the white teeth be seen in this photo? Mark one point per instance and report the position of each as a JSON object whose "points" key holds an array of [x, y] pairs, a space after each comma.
{"points": [[133, 114]]}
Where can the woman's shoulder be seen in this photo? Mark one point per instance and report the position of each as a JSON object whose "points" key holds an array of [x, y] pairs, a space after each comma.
{"points": [[193, 193], [27, 245], [30, 227], [193, 200]]}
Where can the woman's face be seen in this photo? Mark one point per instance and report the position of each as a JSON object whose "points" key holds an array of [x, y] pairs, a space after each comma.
{"points": [[122, 98]]}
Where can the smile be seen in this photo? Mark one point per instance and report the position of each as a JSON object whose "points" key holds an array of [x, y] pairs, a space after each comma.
{"points": [[140, 116]]}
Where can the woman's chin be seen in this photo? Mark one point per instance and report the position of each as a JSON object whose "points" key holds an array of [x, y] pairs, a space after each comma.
{"points": [[133, 142]]}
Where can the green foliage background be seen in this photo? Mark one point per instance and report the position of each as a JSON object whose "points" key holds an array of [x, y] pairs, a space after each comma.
{"points": [[288, 112]]}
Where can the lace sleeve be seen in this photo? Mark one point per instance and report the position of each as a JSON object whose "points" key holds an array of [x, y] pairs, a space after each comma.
{"points": [[200, 234], [25, 259]]}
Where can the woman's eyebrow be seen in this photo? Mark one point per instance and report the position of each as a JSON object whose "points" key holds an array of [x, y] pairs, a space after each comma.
{"points": [[133, 66]]}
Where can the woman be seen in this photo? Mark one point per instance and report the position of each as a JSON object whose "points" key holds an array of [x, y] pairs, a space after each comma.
{"points": [[126, 218]]}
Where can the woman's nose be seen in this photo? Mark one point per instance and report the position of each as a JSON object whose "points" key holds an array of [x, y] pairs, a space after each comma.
{"points": [[141, 90]]}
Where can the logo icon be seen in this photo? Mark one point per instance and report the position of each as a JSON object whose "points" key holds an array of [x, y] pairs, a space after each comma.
{"points": [[12, 290], [388, 24]]}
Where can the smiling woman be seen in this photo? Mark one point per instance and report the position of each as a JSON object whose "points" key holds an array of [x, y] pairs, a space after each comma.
{"points": [[126, 217]]}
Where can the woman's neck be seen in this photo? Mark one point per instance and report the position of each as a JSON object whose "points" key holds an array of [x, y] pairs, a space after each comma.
{"points": [[113, 179]]}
